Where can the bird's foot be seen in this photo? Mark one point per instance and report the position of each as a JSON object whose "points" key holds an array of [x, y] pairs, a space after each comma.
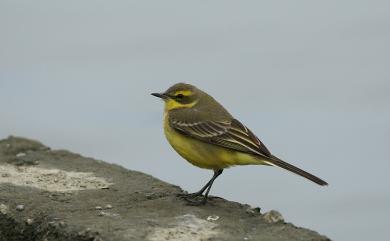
{"points": [[197, 201], [189, 195], [193, 199]]}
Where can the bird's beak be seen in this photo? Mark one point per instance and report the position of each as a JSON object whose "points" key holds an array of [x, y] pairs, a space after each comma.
{"points": [[160, 95]]}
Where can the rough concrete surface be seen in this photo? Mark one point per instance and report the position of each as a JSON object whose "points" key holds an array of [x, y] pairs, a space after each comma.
{"points": [[58, 195]]}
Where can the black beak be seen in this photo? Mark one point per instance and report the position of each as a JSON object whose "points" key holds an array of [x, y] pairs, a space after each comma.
{"points": [[160, 95]]}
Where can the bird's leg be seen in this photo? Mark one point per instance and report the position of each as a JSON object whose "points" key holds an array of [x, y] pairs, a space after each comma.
{"points": [[195, 194], [200, 192]]}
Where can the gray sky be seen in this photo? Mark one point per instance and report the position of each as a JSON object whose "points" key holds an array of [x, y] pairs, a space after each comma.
{"points": [[310, 78]]}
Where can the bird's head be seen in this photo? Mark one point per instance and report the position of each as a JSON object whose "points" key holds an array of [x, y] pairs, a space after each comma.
{"points": [[180, 95]]}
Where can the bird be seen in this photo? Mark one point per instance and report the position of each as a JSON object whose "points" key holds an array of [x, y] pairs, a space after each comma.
{"points": [[204, 133]]}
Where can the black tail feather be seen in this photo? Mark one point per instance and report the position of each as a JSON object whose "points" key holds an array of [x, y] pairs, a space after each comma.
{"points": [[277, 162]]}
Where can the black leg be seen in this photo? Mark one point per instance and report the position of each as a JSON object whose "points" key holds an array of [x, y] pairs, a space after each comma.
{"points": [[200, 192], [207, 187]]}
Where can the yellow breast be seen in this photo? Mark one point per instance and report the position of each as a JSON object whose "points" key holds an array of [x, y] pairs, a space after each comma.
{"points": [[204, 155]]}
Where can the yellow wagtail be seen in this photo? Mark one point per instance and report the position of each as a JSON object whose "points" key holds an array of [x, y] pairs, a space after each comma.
{"points": [[204, 133]]}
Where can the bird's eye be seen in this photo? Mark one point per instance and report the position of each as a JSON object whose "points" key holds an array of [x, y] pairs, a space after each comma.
{"points": [[180, 96]]}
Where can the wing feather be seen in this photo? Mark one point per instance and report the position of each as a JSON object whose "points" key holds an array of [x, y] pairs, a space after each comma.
{"points": [[232, 135]]}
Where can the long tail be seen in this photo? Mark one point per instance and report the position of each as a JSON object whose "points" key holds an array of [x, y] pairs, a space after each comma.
{"points": [[274, 161]]}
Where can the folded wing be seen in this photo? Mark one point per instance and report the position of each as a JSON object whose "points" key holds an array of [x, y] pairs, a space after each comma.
{"points": [[232, 135]]}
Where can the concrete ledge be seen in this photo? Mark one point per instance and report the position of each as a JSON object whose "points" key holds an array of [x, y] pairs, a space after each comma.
{"points": [[58, 195]]}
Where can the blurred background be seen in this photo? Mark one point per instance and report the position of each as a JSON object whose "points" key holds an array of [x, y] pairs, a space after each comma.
{"points": [[310, 78]]}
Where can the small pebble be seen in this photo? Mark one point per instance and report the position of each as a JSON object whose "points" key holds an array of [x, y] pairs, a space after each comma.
{"points": [[149, 196], [20, 154], [212, 218], [29, 221], [3, 209], [251, 210], [256, 209], [108, 206], [98, 208], [273, 216], [20, 207], [52, 224]]}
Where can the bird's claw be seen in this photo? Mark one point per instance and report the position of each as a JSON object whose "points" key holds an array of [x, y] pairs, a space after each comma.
{"points": [[196, 201], [193, 199], [189, 195]]}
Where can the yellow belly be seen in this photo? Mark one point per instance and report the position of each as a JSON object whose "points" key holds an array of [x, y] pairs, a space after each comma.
{"points": [[204, 155]]}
